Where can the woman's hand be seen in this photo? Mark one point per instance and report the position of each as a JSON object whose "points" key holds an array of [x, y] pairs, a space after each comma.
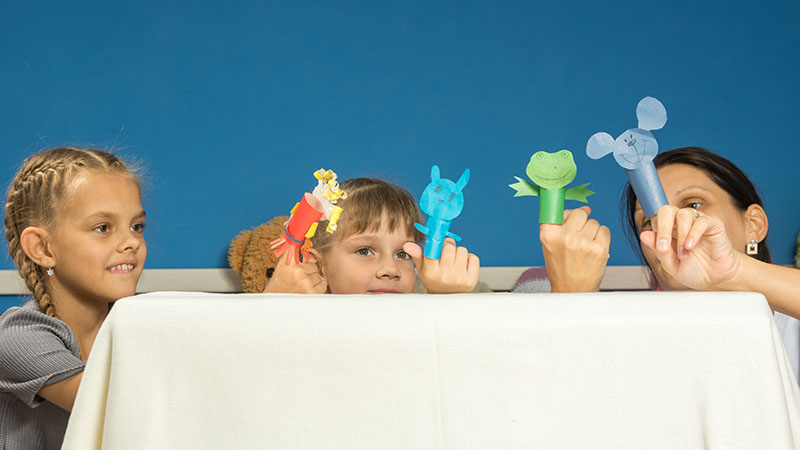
{"points": [[694, 249], [455, 271], [576, 252], [290, 278]]}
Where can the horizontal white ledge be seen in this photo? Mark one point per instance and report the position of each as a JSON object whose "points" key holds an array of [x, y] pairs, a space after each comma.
{"points": [[225, 280]]}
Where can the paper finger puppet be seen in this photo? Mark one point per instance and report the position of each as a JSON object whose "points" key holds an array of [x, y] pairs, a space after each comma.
{"points": [[442, 201], [634, 150], [551, 173], [314, 206]]}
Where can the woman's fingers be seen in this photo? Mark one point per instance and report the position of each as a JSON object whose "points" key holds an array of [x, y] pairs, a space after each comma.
{"points": [[664, 223]]}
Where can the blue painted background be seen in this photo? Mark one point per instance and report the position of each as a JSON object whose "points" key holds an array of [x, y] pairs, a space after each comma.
{"points": [[231, 108]]}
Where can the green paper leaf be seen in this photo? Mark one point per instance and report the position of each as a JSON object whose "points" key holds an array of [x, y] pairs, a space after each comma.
{"points": [[578, 193], [524, 188]]}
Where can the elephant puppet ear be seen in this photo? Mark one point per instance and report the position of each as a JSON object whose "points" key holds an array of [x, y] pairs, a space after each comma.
{"points": [[651, 114], [599, 145]]}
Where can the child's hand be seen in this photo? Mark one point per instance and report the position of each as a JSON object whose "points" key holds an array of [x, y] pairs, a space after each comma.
{"points": [[575, 253], [303, 278], [455, 271]]}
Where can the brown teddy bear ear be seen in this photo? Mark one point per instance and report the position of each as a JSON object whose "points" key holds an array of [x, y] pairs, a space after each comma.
{"points": [[238, 249]]}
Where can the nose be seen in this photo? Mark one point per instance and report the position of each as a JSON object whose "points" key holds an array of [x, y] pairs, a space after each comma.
{"points": [[387, 268], [130, 242]]}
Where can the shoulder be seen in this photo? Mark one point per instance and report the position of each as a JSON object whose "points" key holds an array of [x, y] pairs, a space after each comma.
{"points": [[26, 325]]}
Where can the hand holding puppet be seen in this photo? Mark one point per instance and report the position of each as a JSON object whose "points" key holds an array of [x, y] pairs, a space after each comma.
{"points": [[442, 201], [302, 224]]}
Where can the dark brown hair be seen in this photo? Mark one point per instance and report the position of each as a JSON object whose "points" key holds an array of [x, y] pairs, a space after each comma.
{"points": [[721, 171]]}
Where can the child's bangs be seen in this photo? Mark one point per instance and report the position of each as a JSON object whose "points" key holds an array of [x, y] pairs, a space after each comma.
{"points": [[371, 201]]}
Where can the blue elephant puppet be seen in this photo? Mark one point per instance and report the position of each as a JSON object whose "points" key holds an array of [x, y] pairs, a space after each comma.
{"points": [[634, 150], [442, 201]]}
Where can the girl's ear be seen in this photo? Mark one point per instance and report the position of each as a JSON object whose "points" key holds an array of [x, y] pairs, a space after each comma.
{"points": [[756, 222], [33, 241]]}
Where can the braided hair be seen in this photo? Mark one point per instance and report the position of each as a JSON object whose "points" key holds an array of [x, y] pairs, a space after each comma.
{"points": [[36, 197]]}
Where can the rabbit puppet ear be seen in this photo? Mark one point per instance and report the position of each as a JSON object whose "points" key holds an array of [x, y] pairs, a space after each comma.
{"points": [[463, 180], [599, 145], [434, 172], [651, 114]]}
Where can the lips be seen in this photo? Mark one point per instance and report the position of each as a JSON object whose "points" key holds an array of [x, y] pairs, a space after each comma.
{"points": [[383, 291]]}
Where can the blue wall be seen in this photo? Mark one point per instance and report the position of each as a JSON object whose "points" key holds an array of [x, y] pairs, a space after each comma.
{"points": [[231, 108]]}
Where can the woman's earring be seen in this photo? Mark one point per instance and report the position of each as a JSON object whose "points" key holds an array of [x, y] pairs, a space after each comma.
{"points": [[752, 247], [50, 272]]}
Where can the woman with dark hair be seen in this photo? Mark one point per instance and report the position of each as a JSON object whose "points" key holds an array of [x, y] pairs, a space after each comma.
{"points": [[712, 235]]}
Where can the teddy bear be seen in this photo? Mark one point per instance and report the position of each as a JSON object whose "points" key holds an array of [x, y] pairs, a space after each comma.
{"points": [[251, 257]]}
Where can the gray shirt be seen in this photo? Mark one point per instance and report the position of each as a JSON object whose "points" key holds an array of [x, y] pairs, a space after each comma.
{"points": [[36, 350]]}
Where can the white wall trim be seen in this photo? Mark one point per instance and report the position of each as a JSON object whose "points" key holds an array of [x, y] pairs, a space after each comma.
{"points": [[225, 280]]}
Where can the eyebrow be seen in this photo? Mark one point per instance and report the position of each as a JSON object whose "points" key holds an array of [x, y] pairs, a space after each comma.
{"points": [[362, 238], [107, 215], [689, 188]]}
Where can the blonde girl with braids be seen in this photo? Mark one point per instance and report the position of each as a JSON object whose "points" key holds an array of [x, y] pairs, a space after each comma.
{"points": [[74, 223]]}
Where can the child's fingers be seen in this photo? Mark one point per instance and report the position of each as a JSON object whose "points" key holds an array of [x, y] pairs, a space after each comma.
{"points": [[473, 268], [448, 252], [461, 258], [415, 252], [319, 285]]}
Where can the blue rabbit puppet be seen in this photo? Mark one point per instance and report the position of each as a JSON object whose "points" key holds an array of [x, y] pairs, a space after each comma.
{"points": [[442, 201]]}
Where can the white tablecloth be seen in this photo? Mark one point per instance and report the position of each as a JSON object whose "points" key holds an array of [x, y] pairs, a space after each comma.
{"points": [[486, 371]]}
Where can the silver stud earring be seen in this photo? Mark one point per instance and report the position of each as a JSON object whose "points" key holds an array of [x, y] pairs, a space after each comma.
{"points": [[752, 247], [50, 271]]}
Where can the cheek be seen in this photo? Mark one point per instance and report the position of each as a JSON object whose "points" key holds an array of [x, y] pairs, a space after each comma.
{"points": [[408, 278]]}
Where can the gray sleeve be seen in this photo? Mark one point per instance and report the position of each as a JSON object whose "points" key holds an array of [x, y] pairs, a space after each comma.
{"points": [[35, 350]]}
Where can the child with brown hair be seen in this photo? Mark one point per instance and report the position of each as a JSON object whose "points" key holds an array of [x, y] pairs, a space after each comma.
{"points": [[74, 223], [374, 250]]}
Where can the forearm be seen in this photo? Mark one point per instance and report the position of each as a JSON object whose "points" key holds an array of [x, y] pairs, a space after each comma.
{"points": [[779, 284]]}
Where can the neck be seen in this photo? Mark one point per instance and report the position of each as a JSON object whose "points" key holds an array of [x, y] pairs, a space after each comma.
{"points": [[83, 317]]}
